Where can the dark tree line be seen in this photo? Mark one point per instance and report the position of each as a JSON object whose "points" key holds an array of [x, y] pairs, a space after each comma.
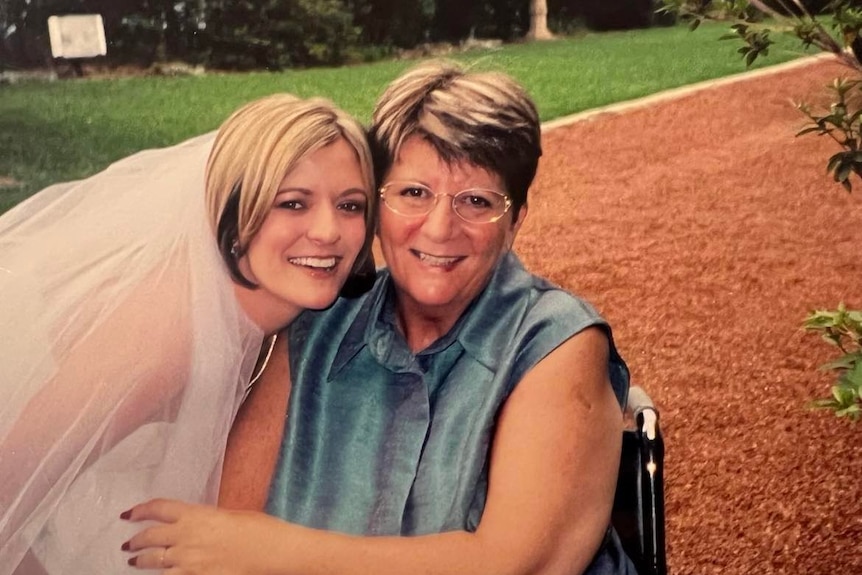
{"points": [[277, 34]]}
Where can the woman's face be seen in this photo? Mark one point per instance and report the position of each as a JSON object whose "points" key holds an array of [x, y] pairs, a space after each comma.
{"points": [[308, 242], [440, 262]]}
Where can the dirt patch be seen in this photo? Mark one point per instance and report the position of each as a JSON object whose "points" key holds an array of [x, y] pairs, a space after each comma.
{"points": [[705, 231], [7, 182]]}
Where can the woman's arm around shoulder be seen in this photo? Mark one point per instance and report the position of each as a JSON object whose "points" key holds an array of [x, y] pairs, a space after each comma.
{"points": [[552, 477]]}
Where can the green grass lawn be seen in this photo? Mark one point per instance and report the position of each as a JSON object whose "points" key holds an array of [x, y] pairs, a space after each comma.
{"points": [[63, 130]]}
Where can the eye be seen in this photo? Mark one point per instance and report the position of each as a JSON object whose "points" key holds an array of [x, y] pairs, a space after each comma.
{"points": [[477, 199], [352, 206], [414, 192], [291, 205]]}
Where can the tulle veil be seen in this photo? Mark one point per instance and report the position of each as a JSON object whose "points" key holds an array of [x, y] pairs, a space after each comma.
{"points": [[123, 358]]}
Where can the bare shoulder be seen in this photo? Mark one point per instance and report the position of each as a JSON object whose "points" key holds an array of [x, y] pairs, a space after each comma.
{"points": [[579, 365]]}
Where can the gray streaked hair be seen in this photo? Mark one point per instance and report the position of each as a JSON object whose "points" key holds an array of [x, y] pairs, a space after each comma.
{"points": [[484, 118]]}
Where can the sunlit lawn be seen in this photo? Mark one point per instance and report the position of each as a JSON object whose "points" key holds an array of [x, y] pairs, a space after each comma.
{"points": [[55, 131]]}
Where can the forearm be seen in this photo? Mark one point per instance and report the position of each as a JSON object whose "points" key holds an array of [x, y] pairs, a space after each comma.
{"points": [[202, 540], [302, 551]]}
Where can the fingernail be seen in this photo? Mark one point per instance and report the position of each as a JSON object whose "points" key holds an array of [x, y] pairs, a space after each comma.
{"points": [[126, 514], [125, 546], [133, 561]]}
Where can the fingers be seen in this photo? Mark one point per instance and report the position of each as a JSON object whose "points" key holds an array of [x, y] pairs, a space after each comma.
{"points": [[164, 510], [152, 537], [156, 558]]}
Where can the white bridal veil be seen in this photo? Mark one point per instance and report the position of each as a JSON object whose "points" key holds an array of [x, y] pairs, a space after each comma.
{"points": [[123, 357]]}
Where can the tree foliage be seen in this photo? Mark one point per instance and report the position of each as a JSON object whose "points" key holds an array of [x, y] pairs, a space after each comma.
{"points": [[621, 14], [275, 34]]}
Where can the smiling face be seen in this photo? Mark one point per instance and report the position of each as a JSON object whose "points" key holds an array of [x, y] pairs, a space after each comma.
{"points": [[307, 244], [439, 262]]}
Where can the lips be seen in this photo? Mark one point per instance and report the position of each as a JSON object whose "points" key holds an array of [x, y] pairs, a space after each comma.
{"points": [[325, 263], [437, 261]]}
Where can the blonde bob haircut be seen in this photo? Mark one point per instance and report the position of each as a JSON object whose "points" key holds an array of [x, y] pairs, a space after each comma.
{"points": [[484, 118], [255, 148]]}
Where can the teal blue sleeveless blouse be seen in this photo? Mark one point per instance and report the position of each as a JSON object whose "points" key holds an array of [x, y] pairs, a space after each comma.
{"points": [[382, 441]]}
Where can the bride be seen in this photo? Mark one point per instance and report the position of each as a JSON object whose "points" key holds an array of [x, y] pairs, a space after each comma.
{"points": [[133, 308]]}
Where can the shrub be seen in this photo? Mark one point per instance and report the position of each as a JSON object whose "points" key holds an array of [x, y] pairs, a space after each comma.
{"points": [[620, 15], [842, 329], [842, 36]]}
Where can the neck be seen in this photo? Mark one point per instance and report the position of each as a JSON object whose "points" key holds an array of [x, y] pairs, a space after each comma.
{"points": [[422, 326], [267, 311]]}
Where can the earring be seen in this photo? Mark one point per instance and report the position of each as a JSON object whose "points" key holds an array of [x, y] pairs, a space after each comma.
{"points": [[234, 249]]}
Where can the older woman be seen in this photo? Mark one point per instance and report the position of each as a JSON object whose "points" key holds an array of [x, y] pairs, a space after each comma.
{"points": [[134, 306], [463, 401]]}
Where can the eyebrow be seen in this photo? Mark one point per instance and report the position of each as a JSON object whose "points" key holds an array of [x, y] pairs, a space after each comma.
{"points": [[406, 181], [309, 192]]}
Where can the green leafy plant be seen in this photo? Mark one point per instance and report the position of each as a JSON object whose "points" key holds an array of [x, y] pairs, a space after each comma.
{"points": [[841, 328], [842, 123], [832, 27]]}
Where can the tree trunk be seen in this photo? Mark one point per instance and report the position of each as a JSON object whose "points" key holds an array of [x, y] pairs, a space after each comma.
{"points": [[539, 21]]}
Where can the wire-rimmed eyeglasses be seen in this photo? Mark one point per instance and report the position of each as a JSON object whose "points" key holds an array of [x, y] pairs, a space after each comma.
{"points": [[475, 205]]}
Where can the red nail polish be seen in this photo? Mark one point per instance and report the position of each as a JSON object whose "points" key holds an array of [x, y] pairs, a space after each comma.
{"points": [[126, 514], [125, 546], [133, 561]]}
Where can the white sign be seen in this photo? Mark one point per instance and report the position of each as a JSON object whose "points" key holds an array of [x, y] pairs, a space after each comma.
{"points": [[77, 36]]}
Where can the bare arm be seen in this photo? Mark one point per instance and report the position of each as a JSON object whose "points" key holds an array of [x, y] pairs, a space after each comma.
{"points": [[90, 402], [255, 438], [552, 477]]}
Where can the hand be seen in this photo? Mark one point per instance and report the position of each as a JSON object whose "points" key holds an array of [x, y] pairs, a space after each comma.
{"points": [[201, 540]]}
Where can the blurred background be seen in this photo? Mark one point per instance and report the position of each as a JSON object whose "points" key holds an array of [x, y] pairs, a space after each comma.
{"points": [[279, 34]]}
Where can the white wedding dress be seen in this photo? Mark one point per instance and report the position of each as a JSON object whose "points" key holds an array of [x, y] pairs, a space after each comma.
{"points": [[123, 359]]}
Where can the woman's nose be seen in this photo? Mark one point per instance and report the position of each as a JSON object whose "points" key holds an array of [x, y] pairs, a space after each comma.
{"points": [[324, 226], [441, 222]]}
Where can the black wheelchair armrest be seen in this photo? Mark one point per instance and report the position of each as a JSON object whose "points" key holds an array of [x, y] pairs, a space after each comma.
{"points": [[638, 514]]}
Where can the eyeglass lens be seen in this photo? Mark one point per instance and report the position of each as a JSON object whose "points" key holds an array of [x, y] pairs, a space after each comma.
{"points": [[475, 205]]}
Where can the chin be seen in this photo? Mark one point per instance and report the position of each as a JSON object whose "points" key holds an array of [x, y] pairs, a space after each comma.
{"points": [[434, 299], [319, 307], [320, 302]]}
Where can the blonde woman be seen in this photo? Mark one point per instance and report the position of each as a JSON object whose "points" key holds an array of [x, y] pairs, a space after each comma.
{"points": [[134, 306]]}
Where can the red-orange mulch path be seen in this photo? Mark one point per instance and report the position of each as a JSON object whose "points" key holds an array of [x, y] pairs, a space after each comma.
{"points": [[705, 232]]}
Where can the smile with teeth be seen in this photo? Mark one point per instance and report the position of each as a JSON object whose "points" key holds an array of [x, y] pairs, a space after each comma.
{"points": [[317, 263], [437, 260]]}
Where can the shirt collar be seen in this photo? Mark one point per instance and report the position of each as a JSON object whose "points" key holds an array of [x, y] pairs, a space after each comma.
{"points": [[487, 326], [501, 302]]}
